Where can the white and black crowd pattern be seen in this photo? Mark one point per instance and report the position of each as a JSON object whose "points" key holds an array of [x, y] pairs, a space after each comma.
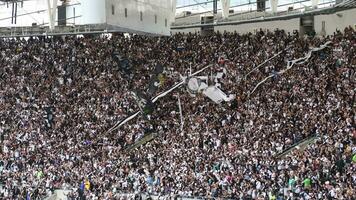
{"points": [[60, 96]]}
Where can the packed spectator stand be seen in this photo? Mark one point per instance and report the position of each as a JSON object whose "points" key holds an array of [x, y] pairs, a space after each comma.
{"points": [[60, 96]]}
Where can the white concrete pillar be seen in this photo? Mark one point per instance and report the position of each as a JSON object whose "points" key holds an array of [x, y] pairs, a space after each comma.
{"points": [[225, 5], [173, 11], [52, 11], [315, 3], [274, 5]]}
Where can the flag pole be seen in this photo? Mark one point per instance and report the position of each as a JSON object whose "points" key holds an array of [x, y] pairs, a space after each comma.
{"points": [[180, 113]]}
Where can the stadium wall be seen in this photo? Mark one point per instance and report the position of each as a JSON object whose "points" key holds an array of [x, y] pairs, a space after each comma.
{"points": [[287, 25], [93, 12], [338, 20], [138, 16], [150, 16]]}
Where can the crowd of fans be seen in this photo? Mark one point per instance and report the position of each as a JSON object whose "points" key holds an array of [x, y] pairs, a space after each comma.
{"points": [[59, 96]]}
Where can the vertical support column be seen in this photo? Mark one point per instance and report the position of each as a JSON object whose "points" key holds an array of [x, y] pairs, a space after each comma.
{"points": [[54, 12], [49, 14], [315, 3], [52, 8], [15, 16], [173, 11], [225, 5], [12, 13], [215, 7], [74, 16], [274, 6]]}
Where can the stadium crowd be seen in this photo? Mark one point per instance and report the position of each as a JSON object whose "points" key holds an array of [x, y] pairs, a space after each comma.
{"points": [[59, 96]]}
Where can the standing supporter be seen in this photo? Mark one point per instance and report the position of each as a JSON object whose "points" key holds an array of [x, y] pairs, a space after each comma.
{"points": [[59, 96]]}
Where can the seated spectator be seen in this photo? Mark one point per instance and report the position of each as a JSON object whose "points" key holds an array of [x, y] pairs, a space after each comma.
{"points": [[60, 96]]}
